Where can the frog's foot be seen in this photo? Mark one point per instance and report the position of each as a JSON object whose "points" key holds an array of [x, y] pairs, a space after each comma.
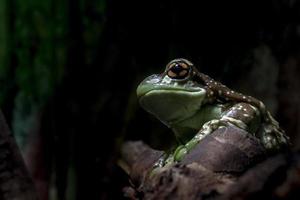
{"points": [[165, 160], [241, 115], [207, 128], [180, 152], [273, 138]]}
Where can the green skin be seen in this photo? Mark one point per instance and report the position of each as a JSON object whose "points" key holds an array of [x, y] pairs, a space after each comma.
{"points": [[194, 105]]}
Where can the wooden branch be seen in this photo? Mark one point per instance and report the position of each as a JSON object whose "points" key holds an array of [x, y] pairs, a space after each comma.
{"points": [[227, 164]]}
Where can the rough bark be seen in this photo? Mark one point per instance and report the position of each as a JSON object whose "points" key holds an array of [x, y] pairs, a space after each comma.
{"points": [[228, 164], [15, 182]]}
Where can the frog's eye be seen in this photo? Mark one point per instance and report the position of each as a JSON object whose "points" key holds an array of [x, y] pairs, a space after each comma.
{"points": [[178, 70]]}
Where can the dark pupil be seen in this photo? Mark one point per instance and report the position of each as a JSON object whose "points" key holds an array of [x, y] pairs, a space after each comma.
{"points": [[176, 69]]}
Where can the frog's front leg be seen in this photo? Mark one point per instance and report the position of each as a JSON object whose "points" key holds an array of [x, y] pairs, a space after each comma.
{"points": [[241, 115]]}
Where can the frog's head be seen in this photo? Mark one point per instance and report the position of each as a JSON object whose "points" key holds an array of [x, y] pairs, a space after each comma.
{"points": [[174, 95]]}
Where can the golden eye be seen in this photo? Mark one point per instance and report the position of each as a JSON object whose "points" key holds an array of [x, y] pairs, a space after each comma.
{"points": [[178, 70]]}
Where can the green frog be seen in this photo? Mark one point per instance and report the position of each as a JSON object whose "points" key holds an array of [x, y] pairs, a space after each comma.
{"points": [[194, 105]]}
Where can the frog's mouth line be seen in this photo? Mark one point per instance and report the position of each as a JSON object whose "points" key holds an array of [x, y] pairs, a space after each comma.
{"points": [[177, 91], [162, 90], [144, 90]]}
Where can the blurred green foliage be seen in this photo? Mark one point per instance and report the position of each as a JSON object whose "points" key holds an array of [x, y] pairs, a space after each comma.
{"points": [[5, 50], [36, 38], [34, 42]]}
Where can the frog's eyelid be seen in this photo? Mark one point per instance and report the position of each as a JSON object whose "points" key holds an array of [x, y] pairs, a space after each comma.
{"points": [[188, 69], [186, 62], [171, 65]]}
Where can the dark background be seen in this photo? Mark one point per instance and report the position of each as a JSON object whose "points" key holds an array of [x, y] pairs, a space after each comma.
{"points": [[69, 70]]}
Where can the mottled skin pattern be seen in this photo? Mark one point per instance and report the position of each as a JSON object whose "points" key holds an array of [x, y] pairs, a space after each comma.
{"points": [[237, 109]]}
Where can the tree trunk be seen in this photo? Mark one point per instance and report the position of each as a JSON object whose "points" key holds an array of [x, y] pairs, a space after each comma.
{"points": [[15, 182]]}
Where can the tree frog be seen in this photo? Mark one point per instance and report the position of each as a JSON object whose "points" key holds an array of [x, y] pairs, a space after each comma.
{"points": [[194, 105]]}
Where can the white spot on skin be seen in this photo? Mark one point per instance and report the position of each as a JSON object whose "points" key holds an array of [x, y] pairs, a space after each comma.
{"points": [[234, 121], [232, 91], [245, 110], [240, 107], [153, 81], [211, 93], [246, 115], [244, 97], [220, 92], [227, 92], [166, 80]]}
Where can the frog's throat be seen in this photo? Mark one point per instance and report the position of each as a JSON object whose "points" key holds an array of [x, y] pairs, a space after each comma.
{"points": [[172, 106]]}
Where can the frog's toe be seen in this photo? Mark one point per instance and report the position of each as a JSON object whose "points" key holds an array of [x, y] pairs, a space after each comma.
{"points": [[180, 152]]}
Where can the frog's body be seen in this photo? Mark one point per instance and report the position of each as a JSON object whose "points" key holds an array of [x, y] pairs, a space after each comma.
{"points": [[193, 105]]}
